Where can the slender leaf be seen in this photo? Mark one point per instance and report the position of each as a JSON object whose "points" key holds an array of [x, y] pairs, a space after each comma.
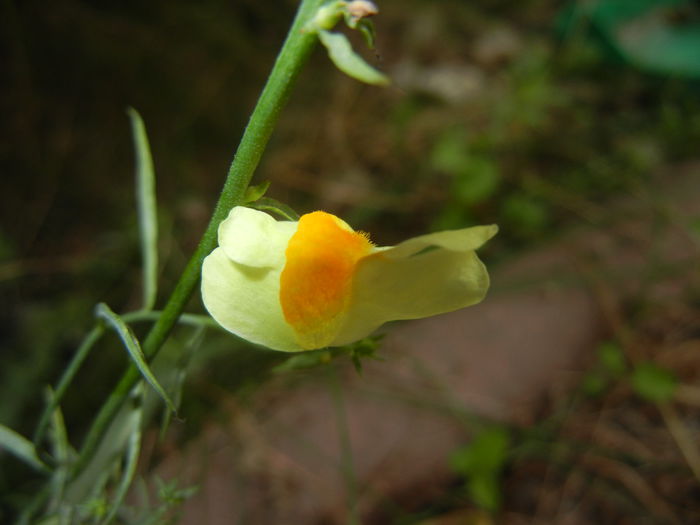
{"points": [[133, 348], [132, 455], [197, 321], [76, 362], [191, 346], [341, 53], [147, 209], [20, 447], [61, 450]]}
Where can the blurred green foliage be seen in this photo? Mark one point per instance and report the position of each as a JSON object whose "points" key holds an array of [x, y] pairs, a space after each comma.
{"points": [[610, 367], [653, 382], [481, 462]]}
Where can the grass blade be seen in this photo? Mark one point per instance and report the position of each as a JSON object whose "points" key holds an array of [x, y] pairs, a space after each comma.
{"points": [[20, 447], [132, 455], [80, 355], [133, 347], [147, 209], [194, 320], [62, 452]]}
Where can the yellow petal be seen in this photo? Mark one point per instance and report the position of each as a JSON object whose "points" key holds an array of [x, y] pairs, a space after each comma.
{"points": [[424, 276], [253, 238], [316, 282], [240, 279]]}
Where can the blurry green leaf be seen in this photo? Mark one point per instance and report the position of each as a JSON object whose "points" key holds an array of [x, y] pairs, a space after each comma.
{"points": [[147, 209], [654, 41], [612, 358], [653, 383], [97, 507], [478, 181], [661, 36], [485, 491], [193, 343], [134, 349], [170, 494], [341, 53], [273, 206], [476, 177], [66, 378], [134, 421], [62, 452], [524, 215], [253, 193], [594, 383], [20, 447], [485, 455], [695, 226], [450, 152]]}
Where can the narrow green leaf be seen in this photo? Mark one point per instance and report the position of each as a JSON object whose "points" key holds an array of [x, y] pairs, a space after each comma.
{"points": [[76, 362], [253, 193], [274, 206], [20, 447], [192, 344], [653, 383], [147, 209], [132, 455], [341, 53], [134, 349], [194, 320], [61, 450]]}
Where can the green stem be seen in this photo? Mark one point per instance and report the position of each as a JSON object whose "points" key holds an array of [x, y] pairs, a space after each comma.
{"points": [[294, 53]]}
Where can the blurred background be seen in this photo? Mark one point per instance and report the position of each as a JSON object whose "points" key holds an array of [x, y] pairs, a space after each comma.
{"points": [[573, 125]]}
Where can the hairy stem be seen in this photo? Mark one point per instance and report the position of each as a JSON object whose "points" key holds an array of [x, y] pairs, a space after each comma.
{"points": [[294, 53]]}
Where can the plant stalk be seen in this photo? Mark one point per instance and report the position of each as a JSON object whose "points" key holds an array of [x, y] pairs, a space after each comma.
{"points": [[293, 55]]}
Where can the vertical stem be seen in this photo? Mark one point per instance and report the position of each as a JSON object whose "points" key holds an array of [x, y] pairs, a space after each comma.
{"points": [[293, 55], [347, 466]]}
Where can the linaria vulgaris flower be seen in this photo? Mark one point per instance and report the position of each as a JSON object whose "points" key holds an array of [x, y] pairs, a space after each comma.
{"points": [[313, 283]]}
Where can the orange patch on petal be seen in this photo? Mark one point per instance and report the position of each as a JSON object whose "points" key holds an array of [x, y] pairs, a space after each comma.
{"points": [[316, 281]]}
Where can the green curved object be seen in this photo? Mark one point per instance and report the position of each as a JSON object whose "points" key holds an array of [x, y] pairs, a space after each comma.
{"points": [[659, 36]]}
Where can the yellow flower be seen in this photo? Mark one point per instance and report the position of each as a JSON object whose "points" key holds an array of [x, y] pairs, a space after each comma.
{"points": [[313, 283]]}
